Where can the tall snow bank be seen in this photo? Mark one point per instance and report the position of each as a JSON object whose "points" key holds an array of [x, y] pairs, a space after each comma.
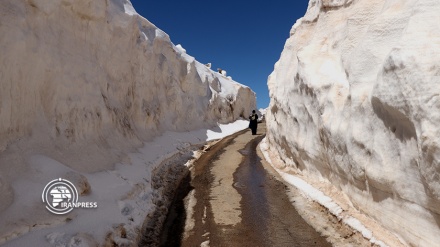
{"points": [[84, 72], [355, 101], [84, 82]]}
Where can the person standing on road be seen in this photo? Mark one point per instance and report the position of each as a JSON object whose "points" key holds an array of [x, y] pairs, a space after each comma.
{"points": [[253, 122]]}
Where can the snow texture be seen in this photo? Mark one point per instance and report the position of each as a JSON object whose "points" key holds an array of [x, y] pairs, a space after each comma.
{"points": [[320, 197], [355, 101], [93, 92]]}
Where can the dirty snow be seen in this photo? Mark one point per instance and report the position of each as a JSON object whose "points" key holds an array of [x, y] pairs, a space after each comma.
{"points": [[344, 215], [124, 195]]}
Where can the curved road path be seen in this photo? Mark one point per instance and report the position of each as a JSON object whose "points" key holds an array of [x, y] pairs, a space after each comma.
{"points": [[229, 199]]}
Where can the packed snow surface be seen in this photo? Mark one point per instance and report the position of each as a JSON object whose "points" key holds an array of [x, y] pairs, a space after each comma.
{"points": [[355, 101], [94, 93]]}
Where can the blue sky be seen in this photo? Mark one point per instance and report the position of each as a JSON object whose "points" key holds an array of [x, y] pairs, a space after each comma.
{"points": [[245, 38]]}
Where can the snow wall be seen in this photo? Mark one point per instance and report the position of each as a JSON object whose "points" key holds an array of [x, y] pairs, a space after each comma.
{"points": [[355, 100], [86, 81], [88, 72]]}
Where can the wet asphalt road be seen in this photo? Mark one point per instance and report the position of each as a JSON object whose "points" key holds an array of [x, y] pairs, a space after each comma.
{"points": [[230, 200]]}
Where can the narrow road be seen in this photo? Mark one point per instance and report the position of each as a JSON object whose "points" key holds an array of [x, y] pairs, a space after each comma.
{"points": [[230, 200]]}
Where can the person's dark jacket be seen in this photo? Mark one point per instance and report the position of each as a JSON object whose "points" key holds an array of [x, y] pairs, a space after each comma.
{"points": [[253, 120]]}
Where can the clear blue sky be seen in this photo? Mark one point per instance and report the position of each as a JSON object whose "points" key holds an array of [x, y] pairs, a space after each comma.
{"points": [[245, 38]]}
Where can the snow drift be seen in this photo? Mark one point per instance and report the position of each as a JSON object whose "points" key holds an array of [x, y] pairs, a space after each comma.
{"points": [[82, 84], [355, 101]]}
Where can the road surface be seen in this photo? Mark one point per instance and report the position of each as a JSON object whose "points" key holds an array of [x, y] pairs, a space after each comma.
{"points": [[230, 200]]}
